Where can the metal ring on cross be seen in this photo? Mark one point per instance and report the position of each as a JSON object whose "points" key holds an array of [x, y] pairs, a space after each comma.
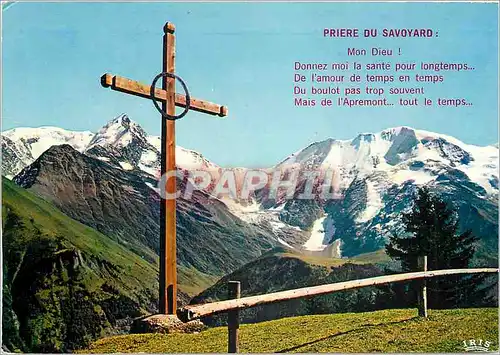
{"points": [[152, 93]]}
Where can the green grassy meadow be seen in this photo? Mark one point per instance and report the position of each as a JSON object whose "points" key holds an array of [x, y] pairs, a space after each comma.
{"points": [[380, 331]]}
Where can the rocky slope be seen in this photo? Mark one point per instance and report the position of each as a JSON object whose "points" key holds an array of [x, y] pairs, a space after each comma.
{"points": [[123, 205]]}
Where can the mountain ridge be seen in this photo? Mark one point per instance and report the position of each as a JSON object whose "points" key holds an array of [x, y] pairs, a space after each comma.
{"points": [[93, 139], [379, 168], [122, 204]]}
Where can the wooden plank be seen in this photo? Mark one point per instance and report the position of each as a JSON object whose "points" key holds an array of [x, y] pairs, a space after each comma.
{"points": [[233, 318], [136, 88], [422, 293], [191, 312]]}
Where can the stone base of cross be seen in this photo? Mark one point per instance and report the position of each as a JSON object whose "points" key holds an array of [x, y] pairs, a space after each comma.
{"points": [[169, 100]]}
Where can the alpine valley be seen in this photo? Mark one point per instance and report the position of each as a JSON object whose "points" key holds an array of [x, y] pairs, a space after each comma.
{"points": [[81, 225]]}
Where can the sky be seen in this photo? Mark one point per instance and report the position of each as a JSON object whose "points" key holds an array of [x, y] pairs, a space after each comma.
{"points": [[241, 55]]}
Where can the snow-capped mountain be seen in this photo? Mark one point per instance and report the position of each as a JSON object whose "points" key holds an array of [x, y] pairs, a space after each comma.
{"points": [[21, 146], [124, 143], [121, 142], [375, 179], [403, 154]]}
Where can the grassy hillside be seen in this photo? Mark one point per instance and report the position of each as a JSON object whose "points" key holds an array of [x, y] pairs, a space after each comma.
{"points": [[376, 257], [66, 284], [381, 331]]}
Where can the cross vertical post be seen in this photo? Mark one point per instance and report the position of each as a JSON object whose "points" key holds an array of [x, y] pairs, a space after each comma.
{"points": [[168, 257]]}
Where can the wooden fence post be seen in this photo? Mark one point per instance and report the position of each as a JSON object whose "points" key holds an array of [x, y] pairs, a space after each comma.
{"points": [[233, 321], [422, 292]]}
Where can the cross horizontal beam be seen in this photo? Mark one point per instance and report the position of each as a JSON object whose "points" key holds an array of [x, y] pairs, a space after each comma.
{"points": [[136, 88]]}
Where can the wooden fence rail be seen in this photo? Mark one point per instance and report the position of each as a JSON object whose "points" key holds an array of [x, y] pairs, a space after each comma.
{"points": [[235, 303], [192, 312]]}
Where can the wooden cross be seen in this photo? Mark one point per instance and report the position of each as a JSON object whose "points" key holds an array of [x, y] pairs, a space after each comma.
{"points": [[169, 99]]}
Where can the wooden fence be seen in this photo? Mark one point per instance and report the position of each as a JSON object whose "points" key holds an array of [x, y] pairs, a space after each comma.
{"points": [[235, 303]]}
